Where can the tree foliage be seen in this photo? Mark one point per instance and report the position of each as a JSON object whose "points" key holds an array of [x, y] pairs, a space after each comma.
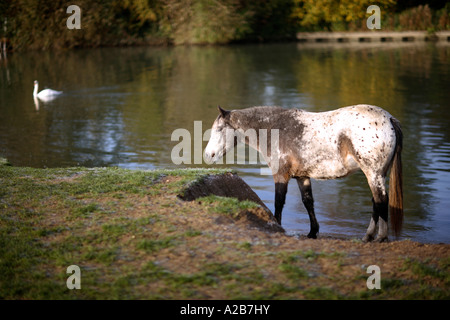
{"points": [[330, 13], [41, 24], [203, 21]]}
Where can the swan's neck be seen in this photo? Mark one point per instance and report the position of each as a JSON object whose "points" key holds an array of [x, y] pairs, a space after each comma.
{"points": [[35, 90]]}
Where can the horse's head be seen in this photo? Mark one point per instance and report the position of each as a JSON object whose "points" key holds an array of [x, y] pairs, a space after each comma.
{"points": [[222, 137]]}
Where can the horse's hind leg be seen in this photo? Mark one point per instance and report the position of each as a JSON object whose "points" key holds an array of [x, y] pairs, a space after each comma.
{"points": [[380, 210], [304, 184]]}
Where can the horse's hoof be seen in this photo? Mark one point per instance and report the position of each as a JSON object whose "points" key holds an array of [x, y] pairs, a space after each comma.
{"points": [[381, 239], [311, 236], [367, 238]]}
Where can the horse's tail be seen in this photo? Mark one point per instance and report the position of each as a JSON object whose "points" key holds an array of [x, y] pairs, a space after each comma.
{"points": [[396, 181]]}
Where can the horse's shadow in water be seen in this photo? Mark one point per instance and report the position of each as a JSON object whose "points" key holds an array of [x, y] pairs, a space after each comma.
{"points": [[325, 145]]}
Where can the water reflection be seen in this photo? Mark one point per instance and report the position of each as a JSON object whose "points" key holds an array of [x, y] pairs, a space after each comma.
{"points": [[120, 107]]}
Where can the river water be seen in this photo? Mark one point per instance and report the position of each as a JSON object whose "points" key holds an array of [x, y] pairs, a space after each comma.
{"points": [[120, 106]]}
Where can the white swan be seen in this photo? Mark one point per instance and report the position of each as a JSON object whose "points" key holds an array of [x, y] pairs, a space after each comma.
{"points": [[46, 94]]}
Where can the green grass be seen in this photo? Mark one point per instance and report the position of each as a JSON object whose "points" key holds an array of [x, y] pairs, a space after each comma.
{"points": [[133, 238], [293, 271], [74, 198], [152, 246], [228, 206], [425, 270]]}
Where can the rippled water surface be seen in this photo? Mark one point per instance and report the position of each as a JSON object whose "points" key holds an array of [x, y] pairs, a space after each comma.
{"points": [[120, 107]]}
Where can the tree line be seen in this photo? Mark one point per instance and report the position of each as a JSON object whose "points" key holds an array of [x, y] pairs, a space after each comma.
{"points": [[41, 24]]}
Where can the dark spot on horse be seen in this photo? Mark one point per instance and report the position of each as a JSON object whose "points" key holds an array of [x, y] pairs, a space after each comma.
{"points": [[364, 128], [377, 136], [376, 123]]}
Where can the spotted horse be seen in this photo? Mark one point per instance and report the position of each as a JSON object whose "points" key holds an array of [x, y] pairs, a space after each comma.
{"points": [[322, 145]]}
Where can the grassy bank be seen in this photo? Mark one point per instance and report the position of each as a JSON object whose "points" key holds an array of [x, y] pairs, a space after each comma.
{"points": [[134, 238]]}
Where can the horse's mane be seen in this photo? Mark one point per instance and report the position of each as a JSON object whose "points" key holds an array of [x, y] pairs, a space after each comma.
{"points": [[261, 116], [262, 109]]}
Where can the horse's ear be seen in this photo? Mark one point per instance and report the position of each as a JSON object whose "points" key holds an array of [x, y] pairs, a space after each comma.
{"points": [[223, 112]]}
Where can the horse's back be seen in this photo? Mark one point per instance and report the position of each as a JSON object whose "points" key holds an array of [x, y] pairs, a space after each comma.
{"points": [[365, 113], [336, 143], [367, 125]]}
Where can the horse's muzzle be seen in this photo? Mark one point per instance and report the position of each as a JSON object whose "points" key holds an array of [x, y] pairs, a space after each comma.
{"points": [[209, 157]]}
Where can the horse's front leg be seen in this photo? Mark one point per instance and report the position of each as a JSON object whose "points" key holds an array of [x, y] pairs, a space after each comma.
{"points": [[280, 199], [304, 184], [281, 185]]}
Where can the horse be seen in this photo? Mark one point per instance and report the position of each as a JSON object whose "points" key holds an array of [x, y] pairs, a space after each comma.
{"points": [[322, 146]]}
